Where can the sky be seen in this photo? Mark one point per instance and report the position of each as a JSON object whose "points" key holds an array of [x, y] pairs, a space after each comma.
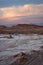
{"points": [[21, 12]]}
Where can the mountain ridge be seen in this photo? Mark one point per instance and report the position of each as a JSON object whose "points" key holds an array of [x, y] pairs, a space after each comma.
{"points": [[22, 29]]}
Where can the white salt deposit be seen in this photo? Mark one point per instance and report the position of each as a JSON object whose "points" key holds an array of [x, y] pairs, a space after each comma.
{"points": [[19, 43]]}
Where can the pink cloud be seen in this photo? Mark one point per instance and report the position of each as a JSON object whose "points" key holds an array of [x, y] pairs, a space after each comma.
{"points": [[27, 13]]}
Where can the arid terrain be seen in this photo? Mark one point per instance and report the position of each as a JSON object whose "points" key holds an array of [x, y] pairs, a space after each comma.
{"points": [[21, 45], [21, 49], [22, 29], [21, 32]]}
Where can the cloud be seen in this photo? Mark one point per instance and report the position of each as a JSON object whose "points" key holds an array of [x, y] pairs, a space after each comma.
{"points": [[24, 10], [16, 11], [22, 20]]}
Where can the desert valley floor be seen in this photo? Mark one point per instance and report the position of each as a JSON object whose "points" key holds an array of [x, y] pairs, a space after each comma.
{"points": [[20, 43]]}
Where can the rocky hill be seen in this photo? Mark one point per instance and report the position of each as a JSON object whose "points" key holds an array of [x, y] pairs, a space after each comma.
{"points": [[22, 29]]}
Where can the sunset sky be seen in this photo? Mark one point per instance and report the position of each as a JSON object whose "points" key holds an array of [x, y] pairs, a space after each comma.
{"points": [[21, 12]]}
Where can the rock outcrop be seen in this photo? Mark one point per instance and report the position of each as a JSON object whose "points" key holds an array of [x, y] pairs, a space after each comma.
{"points": [[35, 58], [22, 29]]}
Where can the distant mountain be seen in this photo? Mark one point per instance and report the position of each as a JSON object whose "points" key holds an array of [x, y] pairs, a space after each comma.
{"points": [[22, 29], [13, 24]]}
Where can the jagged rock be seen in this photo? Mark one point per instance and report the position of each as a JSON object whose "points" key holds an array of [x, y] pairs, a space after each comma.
{"points": [[33, 59], [21, 58], [41, 47]]}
